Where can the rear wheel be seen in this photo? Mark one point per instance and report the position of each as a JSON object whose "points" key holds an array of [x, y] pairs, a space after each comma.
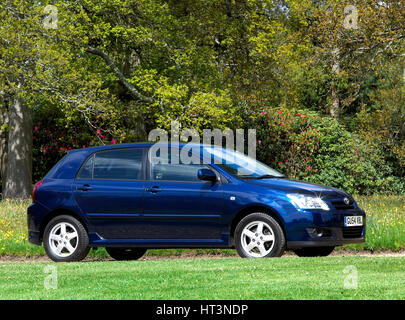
{"points": [[126, 253], [65, 239], [259, 236], [314, 251]]}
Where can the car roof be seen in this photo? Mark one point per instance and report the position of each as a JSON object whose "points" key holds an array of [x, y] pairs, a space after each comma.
{"points": [[70, 164], [132, 145]]}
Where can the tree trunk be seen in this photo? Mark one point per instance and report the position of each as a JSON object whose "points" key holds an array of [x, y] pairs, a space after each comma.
{"points": [[18, 182], [335, 107], [3, 145]]}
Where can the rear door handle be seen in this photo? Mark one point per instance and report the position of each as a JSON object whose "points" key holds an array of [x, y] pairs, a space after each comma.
{"points": [[154, 189], [84, 187]]}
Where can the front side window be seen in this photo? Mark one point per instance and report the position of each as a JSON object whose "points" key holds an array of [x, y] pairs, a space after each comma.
{"points": [[174, 170], [114, 165], [239, 164]]}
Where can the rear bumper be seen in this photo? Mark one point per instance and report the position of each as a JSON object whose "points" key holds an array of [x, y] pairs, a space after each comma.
{"points": [[34, 237], [35, 214]]}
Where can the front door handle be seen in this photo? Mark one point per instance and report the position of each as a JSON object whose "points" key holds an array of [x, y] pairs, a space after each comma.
{"points": [[84, 187], [154, 189]]}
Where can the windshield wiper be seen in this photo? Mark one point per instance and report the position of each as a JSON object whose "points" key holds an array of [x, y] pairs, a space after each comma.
{"points": [[264, 176], [268, 176]]}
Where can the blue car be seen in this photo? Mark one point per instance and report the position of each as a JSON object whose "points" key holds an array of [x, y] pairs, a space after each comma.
{"points": [[128, 198]]}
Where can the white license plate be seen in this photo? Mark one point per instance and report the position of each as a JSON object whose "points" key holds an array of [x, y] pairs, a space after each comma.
{"points": [[353, 221]]}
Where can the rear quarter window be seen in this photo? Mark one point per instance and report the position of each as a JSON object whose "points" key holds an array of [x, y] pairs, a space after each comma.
{"points": [[86, 171]]}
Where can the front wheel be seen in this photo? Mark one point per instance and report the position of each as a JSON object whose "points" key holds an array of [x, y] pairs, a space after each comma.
{"points": [[126, 253], [258, 235], [314, 251]]}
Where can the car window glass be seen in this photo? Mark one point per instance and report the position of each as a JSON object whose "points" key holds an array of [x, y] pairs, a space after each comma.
{"points": [[118, 164], [86, 172], [175, 170]]}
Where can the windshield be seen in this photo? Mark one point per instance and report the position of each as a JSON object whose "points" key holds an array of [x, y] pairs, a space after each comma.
{"points": [[240, 165]]}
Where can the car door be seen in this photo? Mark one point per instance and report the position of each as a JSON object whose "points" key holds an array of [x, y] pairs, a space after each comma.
{"points": [[177, 205], [109, 190]]}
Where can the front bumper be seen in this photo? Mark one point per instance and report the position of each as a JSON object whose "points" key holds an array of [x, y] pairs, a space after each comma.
{"points": [[321, 229], [335, 237]]}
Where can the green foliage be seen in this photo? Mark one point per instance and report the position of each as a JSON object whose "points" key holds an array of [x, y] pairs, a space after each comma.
{"points": [[125, 67], [307, 146], [347, 162], [54, 136], [204, 111]]}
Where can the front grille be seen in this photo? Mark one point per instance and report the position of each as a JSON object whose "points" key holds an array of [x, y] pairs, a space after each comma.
{"points": [[352, 232], [340, 205]]}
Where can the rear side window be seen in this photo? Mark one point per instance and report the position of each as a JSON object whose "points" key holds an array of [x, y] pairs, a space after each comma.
{"points": [[86, 172], [114, 165], [118, 164]]}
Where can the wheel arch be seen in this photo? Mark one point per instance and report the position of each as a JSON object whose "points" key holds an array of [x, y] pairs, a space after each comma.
{"points": [[254, 209], [59, 212]]}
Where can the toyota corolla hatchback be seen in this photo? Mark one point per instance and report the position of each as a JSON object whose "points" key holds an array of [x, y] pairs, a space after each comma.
{"points": [[129, 198]]}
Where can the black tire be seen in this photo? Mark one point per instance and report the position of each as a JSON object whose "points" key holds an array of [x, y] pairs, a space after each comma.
{"points": [[279, 239], [122, 254], [314, 251], [82, 241]]}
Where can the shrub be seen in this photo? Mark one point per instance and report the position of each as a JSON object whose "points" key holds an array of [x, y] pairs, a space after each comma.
{"points": [[54, 137], [307, 146]]}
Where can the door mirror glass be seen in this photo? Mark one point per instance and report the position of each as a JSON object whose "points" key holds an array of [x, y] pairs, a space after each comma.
{"points": [[207, 175]]}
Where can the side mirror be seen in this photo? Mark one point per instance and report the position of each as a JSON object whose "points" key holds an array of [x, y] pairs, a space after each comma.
{"points": [[207, 175]]}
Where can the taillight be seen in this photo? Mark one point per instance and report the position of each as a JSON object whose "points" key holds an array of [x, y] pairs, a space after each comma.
{"points": [[36, 186]]}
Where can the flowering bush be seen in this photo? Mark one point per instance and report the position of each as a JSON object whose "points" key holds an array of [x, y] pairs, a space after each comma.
{"points": [[307, 146], [287, 140], [51, 143]]}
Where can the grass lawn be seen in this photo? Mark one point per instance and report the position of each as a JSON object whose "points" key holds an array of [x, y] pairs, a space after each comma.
{"points": [[226, 278]]}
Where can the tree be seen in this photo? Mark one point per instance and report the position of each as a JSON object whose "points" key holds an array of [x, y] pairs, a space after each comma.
{"points": [[3, 141], [18, 54], [352, 42]]}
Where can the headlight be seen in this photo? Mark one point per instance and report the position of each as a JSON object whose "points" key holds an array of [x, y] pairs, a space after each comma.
{"points": [[307, 202]]}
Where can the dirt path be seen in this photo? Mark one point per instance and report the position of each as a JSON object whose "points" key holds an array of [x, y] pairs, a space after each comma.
{"points": [[338, 253]]}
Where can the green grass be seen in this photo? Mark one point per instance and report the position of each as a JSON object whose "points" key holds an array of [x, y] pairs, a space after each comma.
{"points": [[385, 229], [385, 222], [226, 278]]}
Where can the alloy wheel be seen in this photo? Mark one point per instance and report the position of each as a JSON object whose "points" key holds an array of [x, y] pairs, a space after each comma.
{"points": [[257, 239], [63, 239]]}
